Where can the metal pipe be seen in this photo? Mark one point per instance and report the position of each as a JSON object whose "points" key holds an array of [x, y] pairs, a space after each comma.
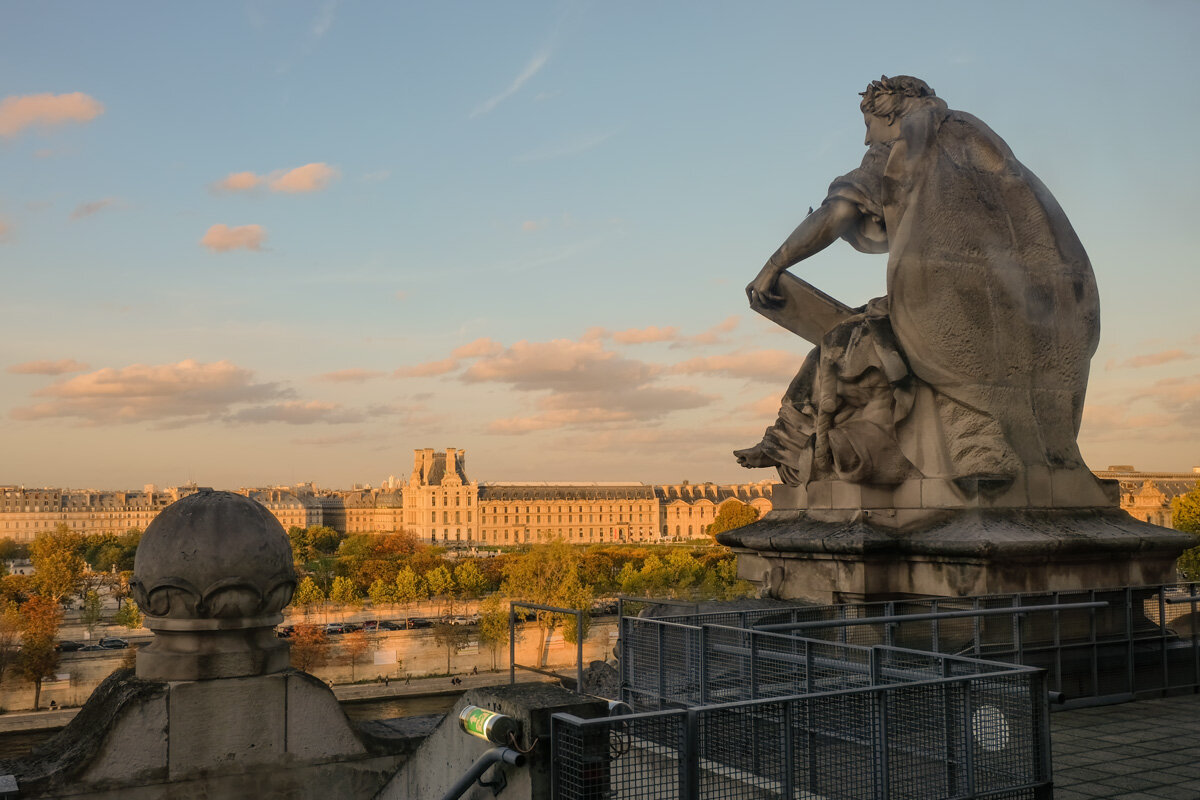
{"points": [[481, 765], [978, 612]]}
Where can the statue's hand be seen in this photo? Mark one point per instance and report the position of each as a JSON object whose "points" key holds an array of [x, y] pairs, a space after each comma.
{"points": [[762, 290]]}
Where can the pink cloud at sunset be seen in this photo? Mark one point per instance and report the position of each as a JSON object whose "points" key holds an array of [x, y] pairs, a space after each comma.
{"points": [[221, 238], [61, 367], [309, 178], [478, 348], [18, 112], [187, 390], [95, 206], [429, 369], [1150, 360], [647, 335], [763, 365], [353, 375]]}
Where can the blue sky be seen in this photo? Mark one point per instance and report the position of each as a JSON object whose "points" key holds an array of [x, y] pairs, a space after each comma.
{"points": [[252, 243]]}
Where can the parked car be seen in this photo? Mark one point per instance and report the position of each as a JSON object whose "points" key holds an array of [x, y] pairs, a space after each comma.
{"points": [[91, 648], [69, 646], [420, 622], [392, 625], [337, 628], [285, 631], [112, 643], [370, 625]]}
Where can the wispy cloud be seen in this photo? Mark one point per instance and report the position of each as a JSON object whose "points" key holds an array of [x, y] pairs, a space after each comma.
{"points": [[532, 68], [324, 20], [188, 391], [87, 209], [1150, 360], [222, 238], [61, 367], [18, 112], [760, 365], [352, 375], [296, 412], [307, 178], [573, 147], [5, 229]]}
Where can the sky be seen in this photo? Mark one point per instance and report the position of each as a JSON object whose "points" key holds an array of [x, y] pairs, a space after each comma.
{"points": [[256, 243]]}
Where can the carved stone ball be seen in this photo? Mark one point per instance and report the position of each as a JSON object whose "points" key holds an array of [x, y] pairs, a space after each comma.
{"points": [[213, 555]]}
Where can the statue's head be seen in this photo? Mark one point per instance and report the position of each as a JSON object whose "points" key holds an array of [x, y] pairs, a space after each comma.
{"points": [[890, 98]]}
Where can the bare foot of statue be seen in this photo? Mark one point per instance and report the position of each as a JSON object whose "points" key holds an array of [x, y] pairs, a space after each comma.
{"points": [[754, 457]]}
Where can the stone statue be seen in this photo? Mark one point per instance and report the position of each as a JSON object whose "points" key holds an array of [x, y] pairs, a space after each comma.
{"points": [[973, 368]]}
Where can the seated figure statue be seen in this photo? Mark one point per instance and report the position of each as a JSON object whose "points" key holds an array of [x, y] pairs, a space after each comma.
{"points": [[973, 368]]}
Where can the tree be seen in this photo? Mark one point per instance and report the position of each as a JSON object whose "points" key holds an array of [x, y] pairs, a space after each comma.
{"points": [[1185, 516], [469, 580], [410, 587], [732, 514], [382, 593], [308, 594], [89, 613], [40, 619], [356, 644], [451, 637], [440, 582], [549, 574], [128, 615], [10, 635], [324, 539], [493, 625], [310, 647], [57, 563], [344, 592]]}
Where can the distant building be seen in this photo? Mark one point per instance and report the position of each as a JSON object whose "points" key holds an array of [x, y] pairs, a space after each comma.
{"points": [[438, 503], [1147, 495]]}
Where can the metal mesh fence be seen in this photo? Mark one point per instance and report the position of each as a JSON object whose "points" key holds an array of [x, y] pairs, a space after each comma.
{"points": [[973, 736]]}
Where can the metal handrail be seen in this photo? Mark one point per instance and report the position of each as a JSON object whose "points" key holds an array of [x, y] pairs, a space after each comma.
{"points": [[897, 618], [512, 642]]}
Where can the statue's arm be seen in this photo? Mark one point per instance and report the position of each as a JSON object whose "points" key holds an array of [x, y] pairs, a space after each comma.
{"points": [[819, 229]]}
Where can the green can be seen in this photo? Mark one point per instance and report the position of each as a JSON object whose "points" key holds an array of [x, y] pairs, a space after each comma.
{"points": [[489, 725]]}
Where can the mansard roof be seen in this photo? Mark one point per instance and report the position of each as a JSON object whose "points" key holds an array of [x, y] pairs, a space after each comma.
{"points": [[564, 491]]}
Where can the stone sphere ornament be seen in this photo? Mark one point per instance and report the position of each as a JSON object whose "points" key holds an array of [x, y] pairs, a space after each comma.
{"points": [[213, 572]]}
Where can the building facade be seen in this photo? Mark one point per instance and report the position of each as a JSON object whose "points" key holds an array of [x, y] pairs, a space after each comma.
{"points": [[1147, 496]]}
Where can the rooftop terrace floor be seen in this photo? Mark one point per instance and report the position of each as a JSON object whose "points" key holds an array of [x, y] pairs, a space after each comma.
{"points": [[1133, 751]]}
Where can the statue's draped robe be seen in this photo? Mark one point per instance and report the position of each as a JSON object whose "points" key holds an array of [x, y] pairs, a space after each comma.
{"points": [[991, 301]]}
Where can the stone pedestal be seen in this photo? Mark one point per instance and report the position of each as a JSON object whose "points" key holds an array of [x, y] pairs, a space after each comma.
{"points": [[855, 543]]}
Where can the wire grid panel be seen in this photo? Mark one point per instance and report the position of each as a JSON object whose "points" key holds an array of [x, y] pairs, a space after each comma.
{"points": [[926, 741], [835, 746], [618, 758], [1003, 717], [743, 752], [661, 664]]}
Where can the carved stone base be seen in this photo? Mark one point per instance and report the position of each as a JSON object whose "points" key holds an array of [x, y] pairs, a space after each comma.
{"points": [[798, 555], [193, 650]]}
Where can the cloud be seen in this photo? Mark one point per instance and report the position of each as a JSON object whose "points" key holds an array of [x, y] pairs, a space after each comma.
{"points": [[765, 406], [87, 209], [532, 68], [529, 226], [592, 409], [296, 412], [560, 364], [349, 376], [764, 365], [309, 178], [428, 369], [1150, 360], [324, 20], [238, 182], [480, 347], [18, 112], [337, 439], [61, 367], [711, 336], [188, 391], [647, 335], [222, 238]]}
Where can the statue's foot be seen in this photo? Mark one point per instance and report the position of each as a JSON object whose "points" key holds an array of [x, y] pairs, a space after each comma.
{"points": [[754, 457]]}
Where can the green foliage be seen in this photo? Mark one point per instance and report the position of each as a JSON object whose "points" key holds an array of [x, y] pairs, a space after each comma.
{"points": [[40, 620], [128, 615], [549, 574], [469, 580], [493, 624], [89, 613], [344, 592], [10, 632], [440, 582], [410, 587], [382, 593], [57, 563], [451, 637], [732, 514], [309, 646], [308, 594], [1185, 516], [323, 539]]}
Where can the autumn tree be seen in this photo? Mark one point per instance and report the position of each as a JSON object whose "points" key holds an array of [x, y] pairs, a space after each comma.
{"points": [[493, 625], [128, 615], [382, 593], [410, 587], [732, 514], [89, 611], [10, 635], [40, 620], [549, 574], [308, 594], [468, 580], [451, 637], [355, 644], [1185, 516], [310, 647], [57, 563], [344, 592], [441, 583]]}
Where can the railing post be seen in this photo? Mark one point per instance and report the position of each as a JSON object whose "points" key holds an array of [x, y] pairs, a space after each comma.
{"points": [[881, 728], [689, 758], [662, 687], [702, 644], [579, 651], [969, 736], [789, 750], [512, 644]]}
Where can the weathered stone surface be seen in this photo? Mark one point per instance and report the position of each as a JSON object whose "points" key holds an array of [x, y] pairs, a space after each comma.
{"points": [[228, 725]]}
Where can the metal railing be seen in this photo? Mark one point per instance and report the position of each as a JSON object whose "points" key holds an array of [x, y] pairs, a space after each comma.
{"points": [[580, 624], [1097, 645], [869, 722]]}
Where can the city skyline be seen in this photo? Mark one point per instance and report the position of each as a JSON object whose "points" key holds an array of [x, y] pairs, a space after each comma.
{"points": [[248, 243]]}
